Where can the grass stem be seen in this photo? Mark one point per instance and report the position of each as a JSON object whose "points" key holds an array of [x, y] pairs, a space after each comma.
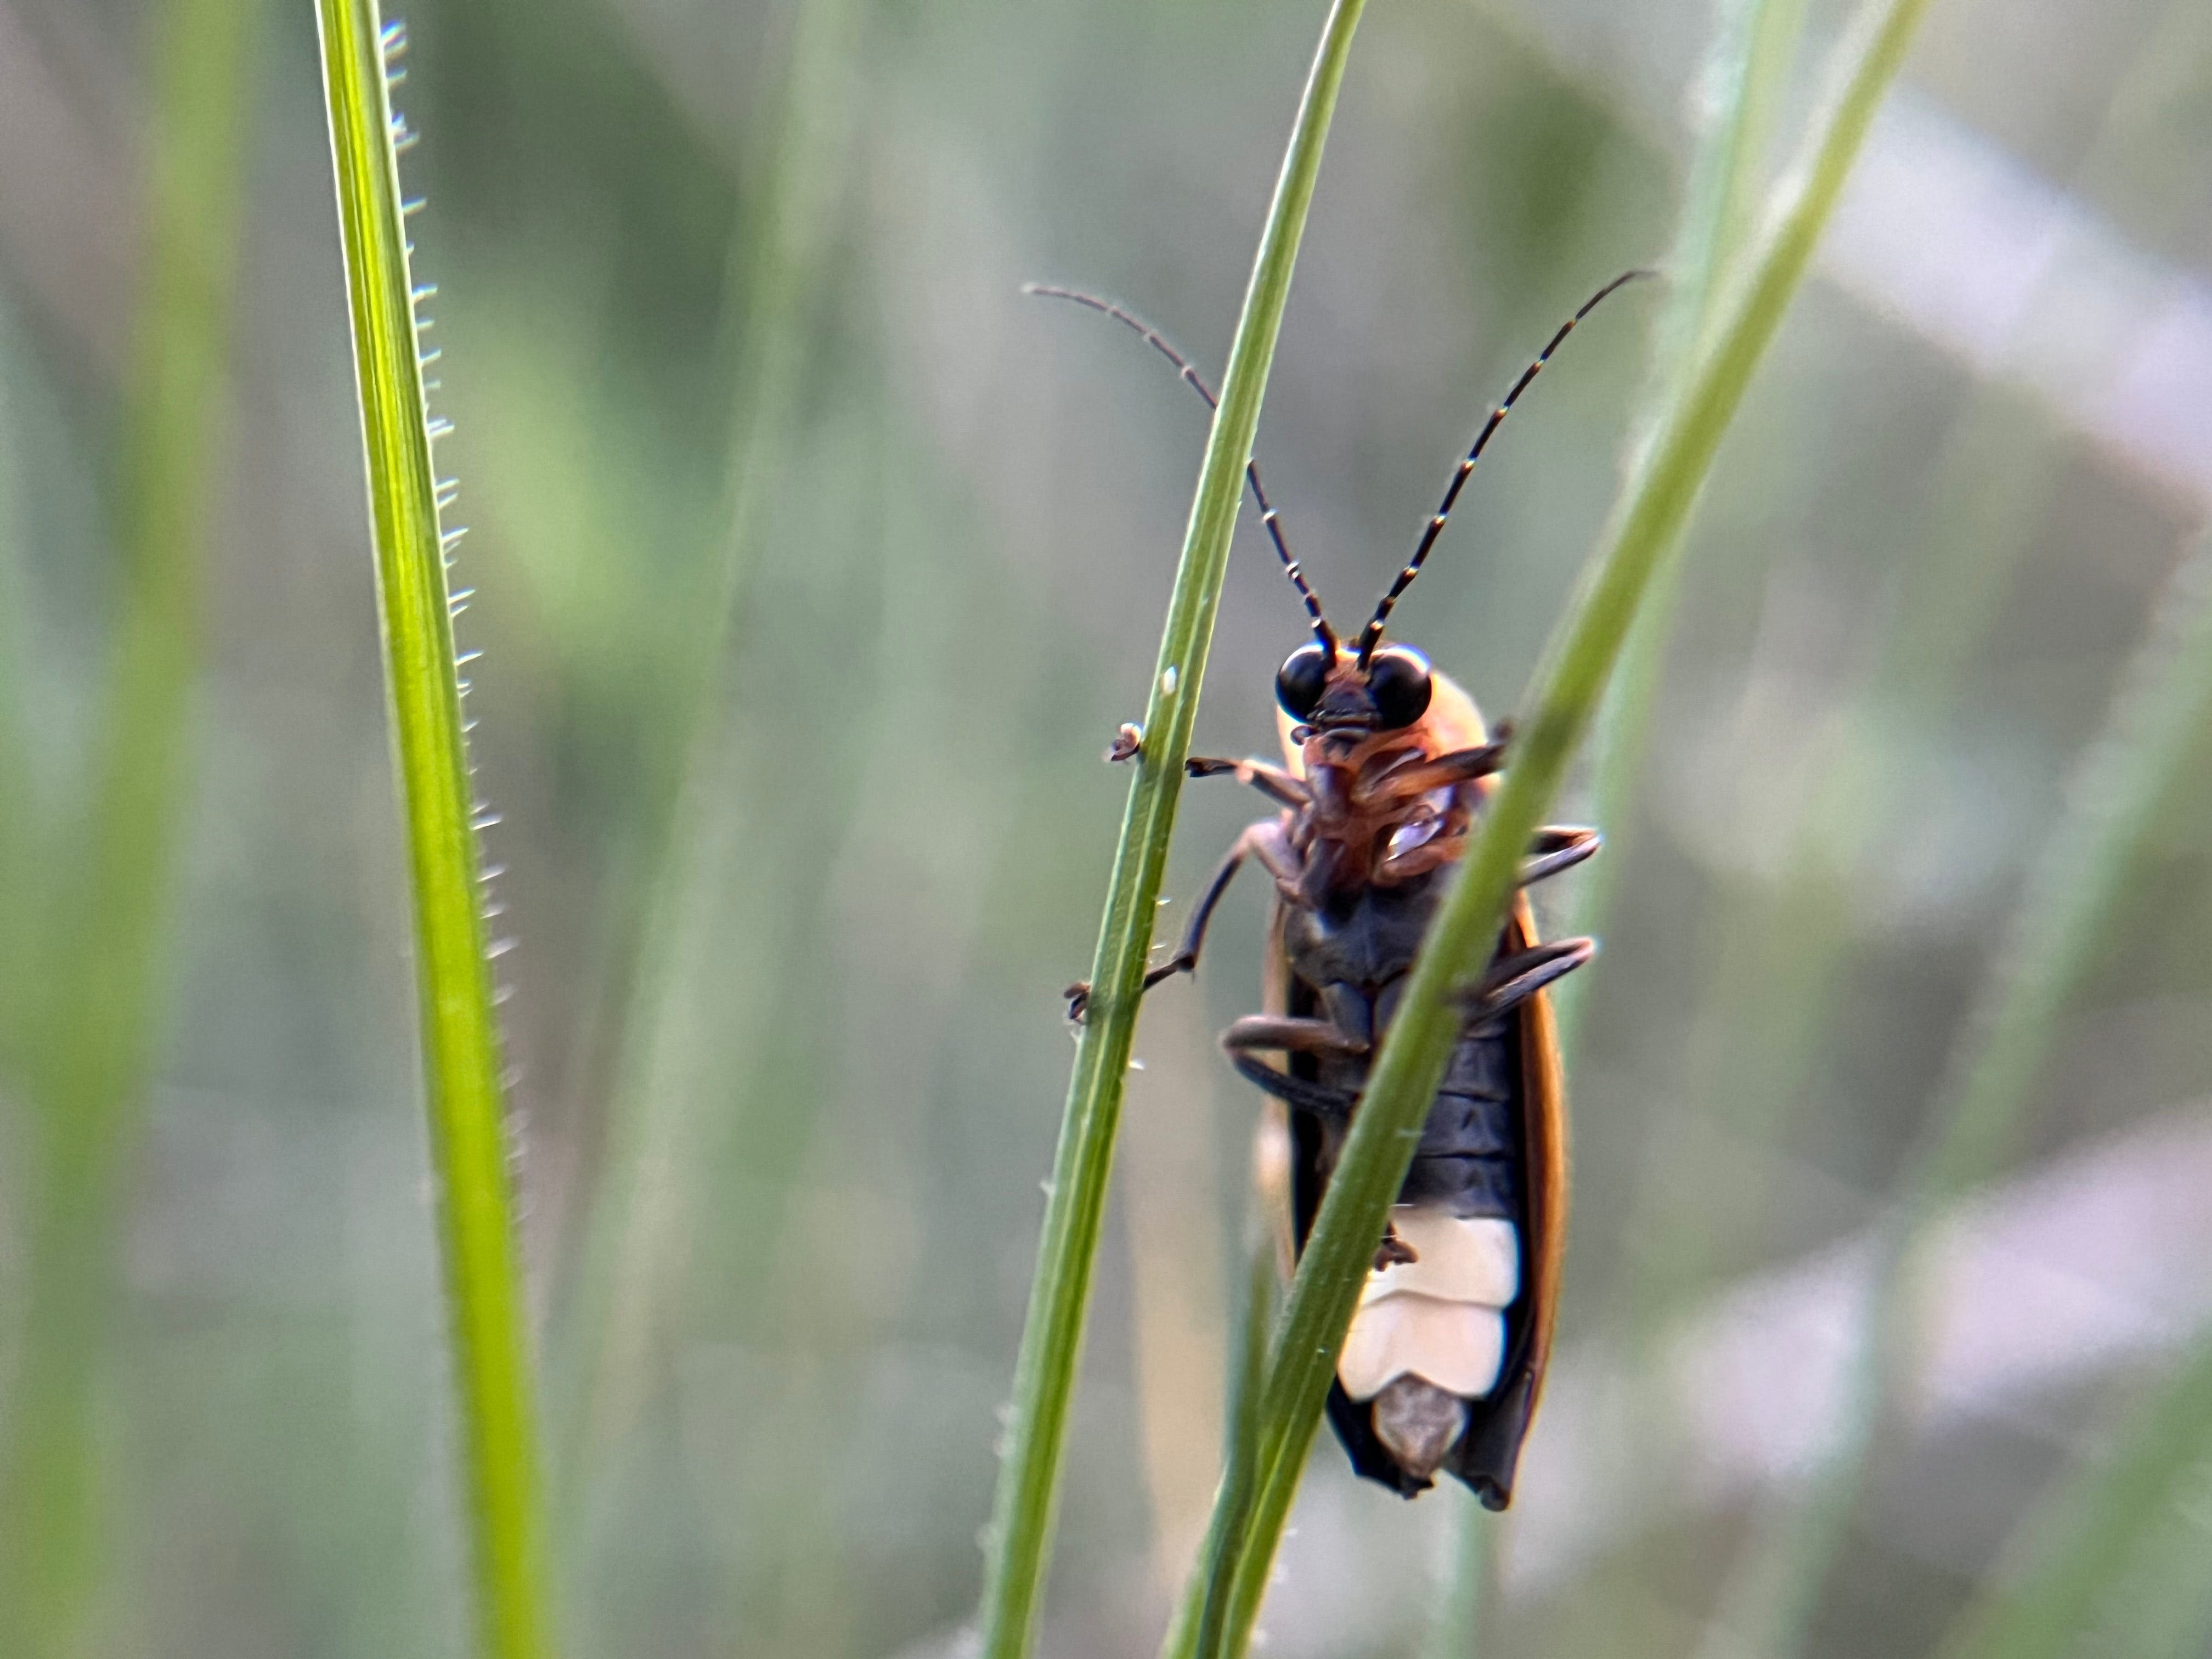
{"points": [[1746, 72], [89, 1019], [1019, 1540], [1470, 1571], [2160, 710], [460, 1040], [2076, 1552], [640, 1205]]}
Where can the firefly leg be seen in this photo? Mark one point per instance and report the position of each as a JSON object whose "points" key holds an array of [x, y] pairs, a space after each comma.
{"points": [[1282, 1031], [1324, 1102], [1264, 841], [1513, 980], [1273, 781], [1558, 847], [1461, 766]]}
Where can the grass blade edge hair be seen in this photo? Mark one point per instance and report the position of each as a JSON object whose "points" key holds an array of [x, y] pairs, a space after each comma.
{"points": [[486, 1305]]}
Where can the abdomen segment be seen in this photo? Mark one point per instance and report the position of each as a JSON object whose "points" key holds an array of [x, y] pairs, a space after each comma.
{"points": [[1430, 1335]]}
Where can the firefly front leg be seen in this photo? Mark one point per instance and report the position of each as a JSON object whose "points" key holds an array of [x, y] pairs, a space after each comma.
{"points": [[1273, 782], [1264, 841], [1461, 766], [1557, 848]]}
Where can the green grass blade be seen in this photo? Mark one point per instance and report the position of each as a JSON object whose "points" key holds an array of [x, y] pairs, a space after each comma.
{"points": [[2078, 1546], [89, 1022], [629, 1255], [1470, 1570], [1044, 1378], [1568, 686], [460, 1037], [1263, 1299], [22, 827], [1747, 73], [2162, 705], [1782, 943]]}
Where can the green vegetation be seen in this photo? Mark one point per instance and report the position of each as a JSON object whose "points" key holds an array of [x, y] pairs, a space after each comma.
{"points": [[460, 1038], [1250, 1518], [815, 567], [2160, 710], [1019, 1544], [80, 983]]}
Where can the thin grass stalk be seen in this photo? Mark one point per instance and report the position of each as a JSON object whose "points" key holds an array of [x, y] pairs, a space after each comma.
{"points": [[1470, 1571], [23, 827], [1019, 1541], [2162, 705], [1780, 952], [461, 1055], [1746, 72], [1266, 1273], [1247, 1384], [637, 1215], [1993, 483], [2078, 1546], [1263, 1298], [1777, 968], [90, 1022], [1568, 684]]}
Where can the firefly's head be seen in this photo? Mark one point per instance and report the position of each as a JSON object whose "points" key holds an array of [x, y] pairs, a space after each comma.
{"points": [[1329, 689]]}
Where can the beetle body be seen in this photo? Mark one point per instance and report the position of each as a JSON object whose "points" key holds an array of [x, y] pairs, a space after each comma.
{"points": [[1445, 1355], [1389, 765]]}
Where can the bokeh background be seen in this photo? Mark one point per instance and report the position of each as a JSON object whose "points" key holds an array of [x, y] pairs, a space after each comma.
{"points": [[815, 566]]}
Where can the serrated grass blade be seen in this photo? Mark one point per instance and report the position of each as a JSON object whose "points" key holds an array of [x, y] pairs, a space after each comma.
{"points": [[461, 1059]]}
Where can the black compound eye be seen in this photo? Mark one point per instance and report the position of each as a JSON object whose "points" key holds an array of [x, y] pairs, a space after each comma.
{"points": [[1398, 681], [1301, 680]]}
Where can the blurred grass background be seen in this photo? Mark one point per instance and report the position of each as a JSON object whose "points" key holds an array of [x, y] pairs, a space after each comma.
{"points": [[728, 301]]}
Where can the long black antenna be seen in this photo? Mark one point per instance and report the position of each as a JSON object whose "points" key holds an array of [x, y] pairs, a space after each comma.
{"points": [[1372, 636], [1291, 567]]}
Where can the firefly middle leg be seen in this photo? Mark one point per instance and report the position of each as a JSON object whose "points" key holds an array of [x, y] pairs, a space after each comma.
{"points": [[1265, 840]]}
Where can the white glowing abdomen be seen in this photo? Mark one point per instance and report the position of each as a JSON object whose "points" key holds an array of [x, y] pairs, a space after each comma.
{"points": [[1441, 1316]]}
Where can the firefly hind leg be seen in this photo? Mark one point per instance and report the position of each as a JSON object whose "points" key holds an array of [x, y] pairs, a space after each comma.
{"points": [[1513, 980], [1282, 1031], [1264, 841], [1333, 1105]]}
